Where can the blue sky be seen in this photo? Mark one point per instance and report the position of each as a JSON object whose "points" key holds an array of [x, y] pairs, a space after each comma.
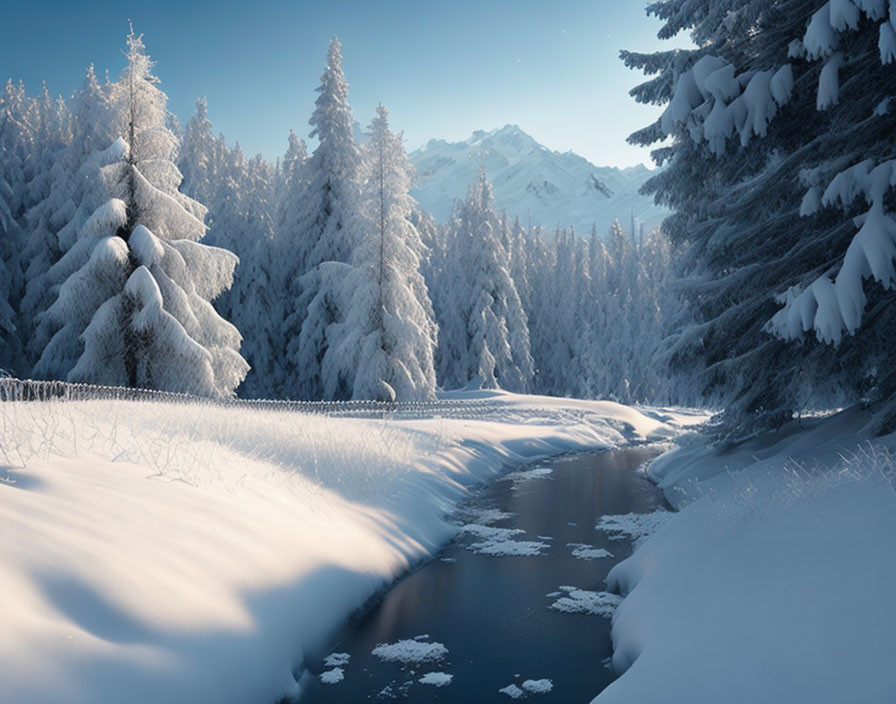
{"points": [[443, 69]]}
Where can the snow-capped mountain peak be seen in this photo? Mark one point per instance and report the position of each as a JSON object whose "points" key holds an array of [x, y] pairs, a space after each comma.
{"points": [[540, 186]]}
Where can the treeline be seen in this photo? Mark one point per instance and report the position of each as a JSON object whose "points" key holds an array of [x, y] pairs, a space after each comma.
{"points": [[135, 252]]}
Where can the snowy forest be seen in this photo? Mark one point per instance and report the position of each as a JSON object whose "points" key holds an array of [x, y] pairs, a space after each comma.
{"points": [[272, 431], [140, 253]]}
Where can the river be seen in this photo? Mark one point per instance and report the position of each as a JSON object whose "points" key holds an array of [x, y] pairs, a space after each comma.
{"points": [[492, 611]]}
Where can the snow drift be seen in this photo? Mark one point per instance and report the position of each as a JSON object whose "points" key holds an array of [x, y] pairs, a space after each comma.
{"points": [[774, 582], [181, 552]]}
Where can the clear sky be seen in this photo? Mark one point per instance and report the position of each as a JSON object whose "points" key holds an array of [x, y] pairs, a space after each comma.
{"points": [[443, 68]]}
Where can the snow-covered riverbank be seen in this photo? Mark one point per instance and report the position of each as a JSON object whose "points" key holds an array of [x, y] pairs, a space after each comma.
{"points": [[775, 581], [156, 552]]}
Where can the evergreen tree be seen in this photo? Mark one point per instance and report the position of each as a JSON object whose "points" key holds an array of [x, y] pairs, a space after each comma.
{"points": [[323, 234], [137, 313], [779, 115], [385, 345], [76, 191], [485, 334]]}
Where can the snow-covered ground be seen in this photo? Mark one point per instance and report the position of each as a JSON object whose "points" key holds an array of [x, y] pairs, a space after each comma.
{"points": [[775, 581], [156, 552]]}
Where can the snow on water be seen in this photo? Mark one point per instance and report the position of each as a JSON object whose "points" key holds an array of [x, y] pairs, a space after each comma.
{"points": [[490, 533], [526, 475], [512, 691], [538, 686], [159, 545], [636, 527], [500, 542], [488, 516], [582, 551], [437, 679], [509, 548], [333, 676], [410, 650], [581, 601], [749, 576], [337, 659]]}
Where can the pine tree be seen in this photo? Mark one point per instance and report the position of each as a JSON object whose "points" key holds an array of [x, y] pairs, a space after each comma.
{"points": [[76, 191], [12, 154], [137, 313], [323, 234], [485, 334], [200, 158], [779, 116], [386, 343]]}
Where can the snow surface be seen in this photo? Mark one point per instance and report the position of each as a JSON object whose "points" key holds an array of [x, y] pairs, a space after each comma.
{"points": [[780, 562], [177, 552]]}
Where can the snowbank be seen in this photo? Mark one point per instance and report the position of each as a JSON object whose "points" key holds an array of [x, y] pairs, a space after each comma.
{"points": [[774, 583], [158, 552]]}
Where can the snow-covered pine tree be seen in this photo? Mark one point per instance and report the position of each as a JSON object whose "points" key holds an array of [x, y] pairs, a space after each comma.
{"points": [[51, 204], [782, 109], [13, 139], [385, 345], [10, 345], [137, 313], [486, 332], [322, 234], [200, 158], [76, 191], [540, 263], [277, 198]]}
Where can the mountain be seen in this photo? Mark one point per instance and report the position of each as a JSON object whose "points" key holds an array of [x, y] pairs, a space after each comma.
{"points": [[531, 181]]}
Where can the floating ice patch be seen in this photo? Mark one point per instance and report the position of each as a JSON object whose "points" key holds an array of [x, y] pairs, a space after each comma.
{"points": [[512, 691], [407, 651], [422, 636], [499, 542], [581, 601], [507, 548], [634, 526], [333, 676], [447, 559], [478, 514], [490, 532], [527, 475], [490, 515], [544, 537], [538, 686], [436, 679], [582, 551], [337, 659], [554, 594]]}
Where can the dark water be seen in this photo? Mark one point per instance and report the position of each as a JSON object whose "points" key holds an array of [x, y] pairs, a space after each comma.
{"points": [[492, 613]]}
